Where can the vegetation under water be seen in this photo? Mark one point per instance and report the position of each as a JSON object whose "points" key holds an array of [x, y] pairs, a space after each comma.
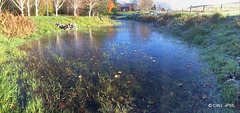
{"points": [[16, 80], [35, 84], [217, 35]]}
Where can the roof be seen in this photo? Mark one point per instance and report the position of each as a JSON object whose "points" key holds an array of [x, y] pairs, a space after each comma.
{"points": [[124, 5]]}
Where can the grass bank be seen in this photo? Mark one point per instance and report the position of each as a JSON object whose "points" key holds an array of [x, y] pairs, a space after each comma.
{"points": [[218, 36], [14, 76]]}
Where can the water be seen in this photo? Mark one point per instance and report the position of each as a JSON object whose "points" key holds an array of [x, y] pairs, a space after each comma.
{"points": [[131, 64]]}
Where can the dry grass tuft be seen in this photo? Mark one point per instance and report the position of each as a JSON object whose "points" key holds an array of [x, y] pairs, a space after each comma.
{"points": [[16, 26]]}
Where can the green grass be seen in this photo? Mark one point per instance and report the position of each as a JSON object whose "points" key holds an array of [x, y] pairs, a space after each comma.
{"points": [[46, 24]]}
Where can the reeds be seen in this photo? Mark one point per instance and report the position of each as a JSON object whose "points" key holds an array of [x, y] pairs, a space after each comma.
{"points": [[16, 26]]}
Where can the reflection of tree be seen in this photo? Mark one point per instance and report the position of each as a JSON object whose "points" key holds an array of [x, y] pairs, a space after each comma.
{"points": [[75, 35], [110, 31], [144, 31], [90, 35], [39, 48], [59, 44]]}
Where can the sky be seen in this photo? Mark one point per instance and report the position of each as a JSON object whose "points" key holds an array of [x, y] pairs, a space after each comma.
{"points": [[179, 4]]}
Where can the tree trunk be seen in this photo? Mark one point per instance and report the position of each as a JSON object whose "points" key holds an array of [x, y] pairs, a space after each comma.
{"points": [[56, 12], [22, 11], [47, 7], [90, 12], [75, 14], [28, 10], [36, 10]]}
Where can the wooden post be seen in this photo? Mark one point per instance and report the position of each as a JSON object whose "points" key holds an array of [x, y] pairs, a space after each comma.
{"points": [[190, 8], [203, 8], [221, 8]]}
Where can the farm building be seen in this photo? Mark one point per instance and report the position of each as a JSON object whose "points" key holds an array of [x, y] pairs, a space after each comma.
{"points": [[125, 7]]}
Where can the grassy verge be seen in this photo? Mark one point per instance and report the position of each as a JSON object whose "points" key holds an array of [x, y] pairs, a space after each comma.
{"points": [[218, 36], [14, 77]]}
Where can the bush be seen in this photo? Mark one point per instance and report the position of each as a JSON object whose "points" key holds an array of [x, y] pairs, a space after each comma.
{"points": [[16, 26], [114, 10], [189, 22], [216, 17]]}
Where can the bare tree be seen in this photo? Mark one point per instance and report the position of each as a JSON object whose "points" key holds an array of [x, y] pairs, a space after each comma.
{"points": [[146, 4], [92, 4], [19, 4], [163, 6], [75, 4], [37, 2], [58, 4], [1, 4], [29, 6], [134, 3]]}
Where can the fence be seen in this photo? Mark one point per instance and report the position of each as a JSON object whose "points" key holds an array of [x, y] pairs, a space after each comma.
{"points": [[230, 8]]}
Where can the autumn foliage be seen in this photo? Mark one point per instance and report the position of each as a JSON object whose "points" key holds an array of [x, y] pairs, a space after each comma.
{"points": [[110, 5]]}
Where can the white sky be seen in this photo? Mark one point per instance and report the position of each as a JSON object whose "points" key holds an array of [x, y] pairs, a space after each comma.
{"points": [[178, 4]]}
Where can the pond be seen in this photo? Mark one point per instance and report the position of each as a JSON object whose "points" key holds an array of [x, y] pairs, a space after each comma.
{"points": [[125, 68]]}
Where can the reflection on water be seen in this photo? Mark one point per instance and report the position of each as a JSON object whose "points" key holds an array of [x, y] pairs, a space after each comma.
{"points": [[159, 61]]}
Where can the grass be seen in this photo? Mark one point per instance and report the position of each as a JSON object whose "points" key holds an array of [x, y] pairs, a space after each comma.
{"points": [[15, 85], [15, 26], [47, 24], [73, 87], [218, 37]]}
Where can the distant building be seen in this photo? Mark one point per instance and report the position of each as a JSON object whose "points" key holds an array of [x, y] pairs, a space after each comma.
{"points": [[125, 7]]}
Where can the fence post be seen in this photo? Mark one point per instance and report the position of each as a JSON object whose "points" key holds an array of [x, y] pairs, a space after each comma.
{"points": [[190, 8], [204, 8], [221, 8]]}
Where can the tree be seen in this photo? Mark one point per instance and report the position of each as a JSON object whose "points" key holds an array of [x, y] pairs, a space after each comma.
{"points": [[146, 4], [37, 2], [102, 5], [75, 4], [1, 4], [58, 4], [134, 3], [110, 6], [163, 6], [29, 6], [47, 7], [91, 4], [19, 4]]}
